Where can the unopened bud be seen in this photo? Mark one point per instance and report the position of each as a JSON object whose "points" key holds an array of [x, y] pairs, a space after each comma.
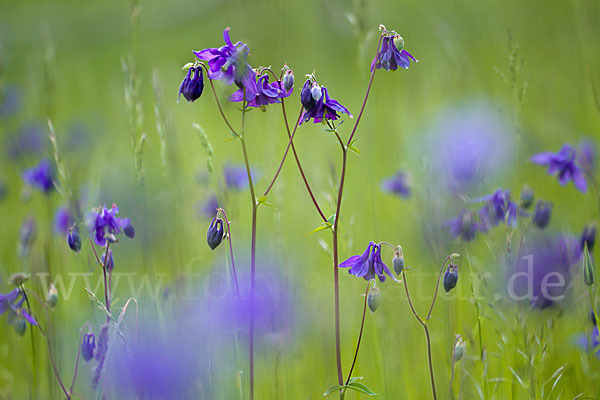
{"points": [[88, 345], [459, 348], [110, 264], [398, 260], [288, 80], [588, 236], [214, 236], [316, 92], [587, 267], [52, 297], [450, 277], [373, 299], [74, 240]]}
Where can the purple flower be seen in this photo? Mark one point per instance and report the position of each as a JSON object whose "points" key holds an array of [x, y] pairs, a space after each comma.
{"points": [[396, 185], [10, 302], [40, 176], [208, 208], [392, 55], [563, 165], [63, 219], [192, 85], [542, 214], [228, 63], [463, 226], [105, 222], [587, 155], [261, 93], [29, 141], [318, 105], [368, 264], [588, 236], [88, 345], [7, 300], [498, 208], [236, 177], [590, 342]]}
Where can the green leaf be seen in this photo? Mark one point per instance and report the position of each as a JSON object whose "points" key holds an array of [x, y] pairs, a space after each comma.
{"points": [[587, 267], [359, 387], [354, 379], [331, 219], [319, 228], [354, 149], [332, 389]]}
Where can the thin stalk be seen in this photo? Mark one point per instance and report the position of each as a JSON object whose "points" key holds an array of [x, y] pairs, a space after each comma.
{"points": [[33, 355], [437, 287], [212, 86], [362, 324], [106, 294], [76, 363], [453, 364], [235, 280]]}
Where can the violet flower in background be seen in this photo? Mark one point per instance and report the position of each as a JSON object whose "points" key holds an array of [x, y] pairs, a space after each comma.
{"points": [[590, 342], [11, 303], [88, 345], [542, 214], [29, 141], [228, 63], [587, 156], [563, 164], [27, 234], [63, 219], [588, 236], [40, 176], [396, 185], [192, 85], [368, 264], [261, 93], [498, 208], [318, 106], [392, 55], [104, 222], [236, 177], [110, 265], [464, 226], [208, 207]]}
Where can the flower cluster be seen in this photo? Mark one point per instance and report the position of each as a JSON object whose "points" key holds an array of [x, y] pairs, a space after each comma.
{"points": [[260, 92], [368, 265], [104, 224], [317, 103], [565, 165]]}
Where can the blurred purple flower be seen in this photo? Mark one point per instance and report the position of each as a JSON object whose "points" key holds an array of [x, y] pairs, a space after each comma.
{"points": [[390, 56], [88, 345], [208, 208], [498, 208], [396, 185], [10, 302], [104, 221], [542, 214], [261, 93], [318, 105], [563, 165], [236, 177], [588, 236], [29, 141], [40, 176], [368, 264], [27, 234], [228, 63], [63, 219], [590, 342], [463, 226], [587, 155]]}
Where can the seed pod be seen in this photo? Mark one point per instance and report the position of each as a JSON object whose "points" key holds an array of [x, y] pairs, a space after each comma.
{"points": [[398, 260], [74, 240], [52, 297], [373, 299], [450, 277], [19, 278], [214, 236]]}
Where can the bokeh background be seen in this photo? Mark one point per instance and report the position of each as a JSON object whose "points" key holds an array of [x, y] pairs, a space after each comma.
{"points": [[496, 83]]}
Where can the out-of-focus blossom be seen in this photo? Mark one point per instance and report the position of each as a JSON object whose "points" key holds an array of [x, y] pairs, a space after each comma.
{"points": [[526, 198], [192, 85], [10, 101], [27, 234], [104, 223], [587, 155], [318, 106], [396, 185], [588, 236], [563, 165], [63, 219], [591, 342], [368, 265], [542, 214], [228, 63], [498, 208], [29, 141], [261, 93], [391, 54], [236, 177], [464, 226], [40, 176], [12, 302], [208, 207], [110, 264]]}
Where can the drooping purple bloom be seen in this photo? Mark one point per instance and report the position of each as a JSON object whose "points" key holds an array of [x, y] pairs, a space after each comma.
{"points": [[563, 165], [74, 239], [542, 214], [396, 185], [192, 85], [261, 92], [228, 63], [88, 345], [14, 305], [498, 208], [104, 223], [367, 265], [390, 57], [40, 176], [319, 105], [63, 219], [236, 177], [7, 300], [463, 226]]}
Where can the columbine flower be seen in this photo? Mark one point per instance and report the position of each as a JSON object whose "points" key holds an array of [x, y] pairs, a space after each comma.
{"points": [[563, 165], [463, 226], [498, 208], [261, 93], [215, 232], [88, 345], [228, 63], [39, 176], [105, 222], [450, 277], [74, 239], [288, 79], [318, 105], [368, 264], [392, 55], [192, 85], [17, 314], [396, 185], [542, 214]]}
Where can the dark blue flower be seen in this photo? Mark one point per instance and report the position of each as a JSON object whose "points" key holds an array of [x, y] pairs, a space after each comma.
{"points": [[498, 208], [391, 54], [318, 105], [74, 239], [450, 277], [563, 165], [463, 226], [228, 63], [88, 345], [396, 185], [215, 232], [588, 236], [105, 221], [40, 176], [542, 214], [368, 265], [192, 85], [261, 93]]}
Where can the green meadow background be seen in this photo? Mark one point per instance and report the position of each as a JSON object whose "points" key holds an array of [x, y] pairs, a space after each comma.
{"points": [[537, 65]]}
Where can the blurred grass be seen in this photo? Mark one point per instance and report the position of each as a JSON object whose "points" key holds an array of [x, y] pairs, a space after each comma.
{"points": [[461, 46]]}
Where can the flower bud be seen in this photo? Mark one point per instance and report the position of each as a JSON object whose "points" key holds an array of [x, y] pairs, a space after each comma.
{"points": [[316, 92], [373, 299], [398, 260], [450, 277], [214, 236], [88, 345], [587, 267], [399, 42], [74, 240], [110, 265], [20, 326], [459, 348], [588, 236], [306, 98], [128, 229], [542, 214], [288, 80], [19, 279], [527, 197], [192, 85], [52, 296]]}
